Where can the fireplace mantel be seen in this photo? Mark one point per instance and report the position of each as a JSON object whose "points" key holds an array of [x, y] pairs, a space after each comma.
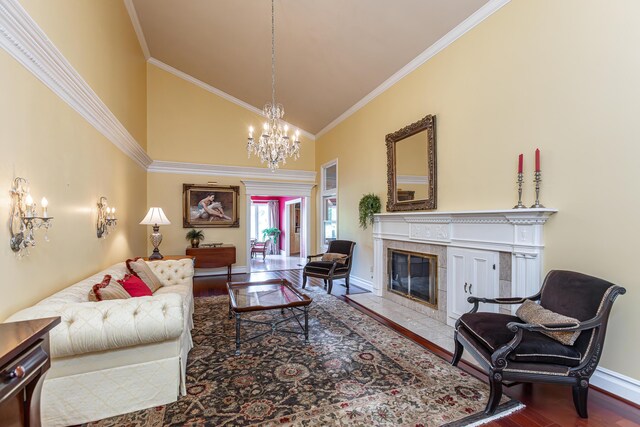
{"points": [[515, 231]]}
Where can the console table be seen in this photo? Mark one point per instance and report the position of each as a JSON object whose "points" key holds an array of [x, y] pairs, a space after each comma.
{"points": [[214, 257], [24, 359]]}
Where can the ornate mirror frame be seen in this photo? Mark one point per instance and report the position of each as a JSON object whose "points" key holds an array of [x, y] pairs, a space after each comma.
{"points": [[427, 123]]}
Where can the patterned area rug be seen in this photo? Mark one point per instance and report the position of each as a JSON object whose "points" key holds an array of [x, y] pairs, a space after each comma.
{"points": [[354, 372]]}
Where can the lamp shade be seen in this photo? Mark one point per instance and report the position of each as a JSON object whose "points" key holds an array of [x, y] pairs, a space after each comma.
{"points": [[155, 216]]}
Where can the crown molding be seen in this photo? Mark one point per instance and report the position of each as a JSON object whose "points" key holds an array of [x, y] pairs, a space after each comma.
{"points": [[23, 39], [277, 188], [468, 24], [181, 74], [159, 166], [137, 27]]}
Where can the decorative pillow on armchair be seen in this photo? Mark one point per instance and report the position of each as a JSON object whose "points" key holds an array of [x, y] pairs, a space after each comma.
{"points": [[531, 312], [330, 256], [138, 267], [107, 290]]}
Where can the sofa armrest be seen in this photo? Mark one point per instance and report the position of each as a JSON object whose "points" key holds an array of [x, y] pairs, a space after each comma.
{"points": [[173, 272], [88, 327]]}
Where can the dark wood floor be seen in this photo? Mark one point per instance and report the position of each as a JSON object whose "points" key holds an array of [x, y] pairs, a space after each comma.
{"points": [[546, 405]]}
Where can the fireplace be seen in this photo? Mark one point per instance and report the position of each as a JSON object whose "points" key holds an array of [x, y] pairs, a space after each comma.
{"points": [[413, 275]]}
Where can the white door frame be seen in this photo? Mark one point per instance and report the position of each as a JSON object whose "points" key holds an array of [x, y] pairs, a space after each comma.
{"points": [[287, 221], [280, 189]]}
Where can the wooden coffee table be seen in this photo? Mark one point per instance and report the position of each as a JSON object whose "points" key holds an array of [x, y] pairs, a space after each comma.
{"points": [[247, 297]]}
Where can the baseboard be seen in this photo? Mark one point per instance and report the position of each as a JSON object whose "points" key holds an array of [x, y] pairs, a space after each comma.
{"points": [[361, 283], [240, 269], [615, 383]]}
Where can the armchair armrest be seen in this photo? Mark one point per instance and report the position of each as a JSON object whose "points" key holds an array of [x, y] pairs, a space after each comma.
{"points": [[512, 300], [313, 256]]}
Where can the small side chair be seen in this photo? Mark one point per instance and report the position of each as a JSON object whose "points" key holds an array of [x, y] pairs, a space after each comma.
{"points": [[331, 270], [511, 350]]}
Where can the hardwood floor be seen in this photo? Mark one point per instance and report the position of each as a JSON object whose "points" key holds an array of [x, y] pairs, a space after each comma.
{"points": [[546, 405]]}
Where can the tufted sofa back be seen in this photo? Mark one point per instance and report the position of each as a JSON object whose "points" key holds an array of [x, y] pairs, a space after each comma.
{"points": [[173, 272]]}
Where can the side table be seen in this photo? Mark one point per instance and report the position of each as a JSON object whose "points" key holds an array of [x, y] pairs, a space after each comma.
{"points": [[24, 359]]}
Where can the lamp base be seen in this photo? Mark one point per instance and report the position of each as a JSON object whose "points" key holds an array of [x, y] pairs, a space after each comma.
{"points": [[156, 239]]}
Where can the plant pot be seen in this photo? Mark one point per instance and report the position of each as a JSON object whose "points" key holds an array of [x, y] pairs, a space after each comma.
{"points": [[195, 243]]}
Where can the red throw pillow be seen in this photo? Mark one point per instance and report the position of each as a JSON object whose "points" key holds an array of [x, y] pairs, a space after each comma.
{"points": [[135, 286]]}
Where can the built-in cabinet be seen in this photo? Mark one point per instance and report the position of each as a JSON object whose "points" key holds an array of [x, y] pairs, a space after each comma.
{"points": [[470, 272]]}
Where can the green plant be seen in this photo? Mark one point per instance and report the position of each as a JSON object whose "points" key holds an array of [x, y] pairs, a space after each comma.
{"points": [[271, 232], [369, 205], [194, 234]]}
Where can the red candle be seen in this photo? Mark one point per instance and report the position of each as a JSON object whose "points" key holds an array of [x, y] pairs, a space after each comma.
{"points": [[520, 158], [537, 160]]}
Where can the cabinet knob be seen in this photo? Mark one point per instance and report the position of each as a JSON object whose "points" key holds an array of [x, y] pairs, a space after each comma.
{"points": [[465, 287], [470, 285], [18, 372]]}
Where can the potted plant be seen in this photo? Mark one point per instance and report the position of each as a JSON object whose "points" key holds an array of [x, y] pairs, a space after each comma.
{"points": [[369, 205], [269, 233], [195, 236]]}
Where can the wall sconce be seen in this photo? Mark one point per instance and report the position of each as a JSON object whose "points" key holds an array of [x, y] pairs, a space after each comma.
{"points": [[106, 218], [24, 217]]}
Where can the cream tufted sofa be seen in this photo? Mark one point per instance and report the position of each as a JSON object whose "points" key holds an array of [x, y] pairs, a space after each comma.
{"points": [[118, 356]]}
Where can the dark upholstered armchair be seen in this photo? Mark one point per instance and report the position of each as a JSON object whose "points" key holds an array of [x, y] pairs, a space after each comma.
{"points": [[511, 350], [331, 270]]}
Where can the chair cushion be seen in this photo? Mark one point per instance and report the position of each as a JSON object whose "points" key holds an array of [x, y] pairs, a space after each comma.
{"points": [[329, 256], [491, 331], [323, 267]]}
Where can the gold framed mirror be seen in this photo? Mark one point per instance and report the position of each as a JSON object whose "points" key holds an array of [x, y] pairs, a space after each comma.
{"points": [[411, 167]]}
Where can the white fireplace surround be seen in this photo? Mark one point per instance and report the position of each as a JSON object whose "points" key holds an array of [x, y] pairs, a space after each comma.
{"points": [[515, 231]]}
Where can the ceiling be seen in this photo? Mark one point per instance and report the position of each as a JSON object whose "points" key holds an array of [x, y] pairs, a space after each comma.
{"points": [[329, 53]]}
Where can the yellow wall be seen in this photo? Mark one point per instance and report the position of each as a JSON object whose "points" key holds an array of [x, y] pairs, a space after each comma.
{"points": [[189, 124], [66, 159], [97, 38], [559, 75]]}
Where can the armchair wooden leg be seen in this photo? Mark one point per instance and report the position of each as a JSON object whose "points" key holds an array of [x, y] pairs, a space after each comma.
{"points": [[346, 281], [457, 353], [495, 383], [330, 286], [580, 394], [325, 283], [304, 280]]}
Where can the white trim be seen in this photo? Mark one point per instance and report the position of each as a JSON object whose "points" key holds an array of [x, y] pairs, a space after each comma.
{"points": [[23, 39], [477, 17], [137, 27], [161, 166], [277, 188], [218, 92], [327, 193], [287, 223], [236, 269], [412, 179], [621, 385], [361, 283]]}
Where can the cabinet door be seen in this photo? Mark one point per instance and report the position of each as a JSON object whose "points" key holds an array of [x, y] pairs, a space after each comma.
{"points": [[470, 273], [457, 277]]}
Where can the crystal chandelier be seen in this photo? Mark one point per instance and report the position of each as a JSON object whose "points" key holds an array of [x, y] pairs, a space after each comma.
{"points": [[274, 144]]}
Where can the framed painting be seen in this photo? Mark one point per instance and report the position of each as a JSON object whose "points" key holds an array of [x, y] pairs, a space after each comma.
{"points": [[210, 206]]}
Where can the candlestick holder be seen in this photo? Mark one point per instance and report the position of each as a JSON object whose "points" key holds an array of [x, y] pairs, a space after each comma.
{"points": [[537, 178], [520, 205]]}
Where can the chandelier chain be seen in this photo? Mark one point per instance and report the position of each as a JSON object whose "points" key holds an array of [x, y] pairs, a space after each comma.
{"points": [[273, 53]]}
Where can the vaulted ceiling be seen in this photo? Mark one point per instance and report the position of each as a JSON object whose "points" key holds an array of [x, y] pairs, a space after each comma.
{"points": [[329, 53]]}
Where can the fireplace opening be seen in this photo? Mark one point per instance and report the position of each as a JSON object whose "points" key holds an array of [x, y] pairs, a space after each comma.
{"points": [[413, 275]]}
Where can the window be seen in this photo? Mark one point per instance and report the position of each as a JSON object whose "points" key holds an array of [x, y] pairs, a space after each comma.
{"points": [[329, 212], [259, 219]]}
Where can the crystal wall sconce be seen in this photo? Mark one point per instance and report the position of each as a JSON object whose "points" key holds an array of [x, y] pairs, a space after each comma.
{"points": [[24, 218], [106, 218]]}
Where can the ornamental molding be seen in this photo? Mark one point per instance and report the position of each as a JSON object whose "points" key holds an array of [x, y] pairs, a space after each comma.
{"points": [[278, 188], [23, 39], [514, 217], [245, 172]]}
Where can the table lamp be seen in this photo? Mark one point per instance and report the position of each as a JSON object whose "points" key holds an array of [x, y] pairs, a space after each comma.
{"points": [[155, 217]]}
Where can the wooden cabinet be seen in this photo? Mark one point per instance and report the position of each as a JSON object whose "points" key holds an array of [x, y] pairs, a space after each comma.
{"points": [[24, 359], [214, 257], [470, 273]]}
